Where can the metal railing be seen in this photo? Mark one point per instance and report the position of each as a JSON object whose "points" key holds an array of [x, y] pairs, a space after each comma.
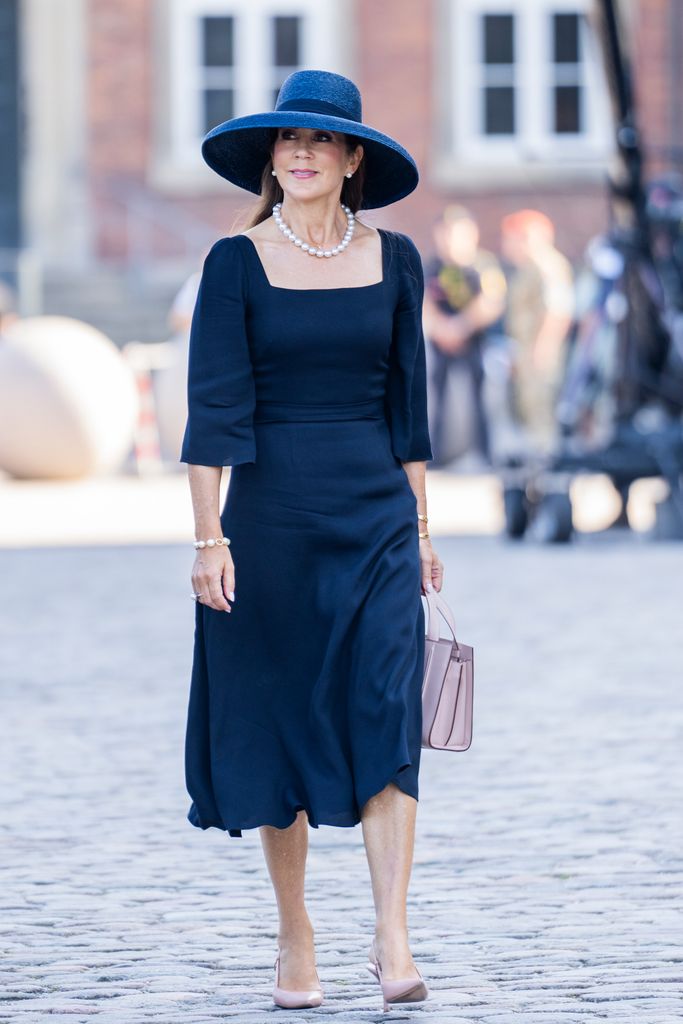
{"points": [[148, 217]]}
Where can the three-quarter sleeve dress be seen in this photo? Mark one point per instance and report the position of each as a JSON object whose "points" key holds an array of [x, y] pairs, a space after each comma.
{"points": [[308, 694]]}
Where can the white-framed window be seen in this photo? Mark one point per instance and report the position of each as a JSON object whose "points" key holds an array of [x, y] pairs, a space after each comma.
{"points": [[228, 59], [525, 85]]}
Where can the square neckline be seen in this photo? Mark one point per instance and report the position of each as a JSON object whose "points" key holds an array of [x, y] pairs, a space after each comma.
{"points": [[340, 288]]}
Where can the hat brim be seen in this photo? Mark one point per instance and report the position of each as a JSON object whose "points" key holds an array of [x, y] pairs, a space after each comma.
{"points": [[238, 150]]}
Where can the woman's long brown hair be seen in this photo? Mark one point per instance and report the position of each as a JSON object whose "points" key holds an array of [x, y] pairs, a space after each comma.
{"points": [[271, 190]]}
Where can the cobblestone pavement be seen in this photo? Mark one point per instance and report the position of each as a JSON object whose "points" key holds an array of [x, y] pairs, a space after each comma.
{"points": [[549, 858]]}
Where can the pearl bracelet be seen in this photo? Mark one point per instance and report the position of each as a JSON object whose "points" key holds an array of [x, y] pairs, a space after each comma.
{"points": [[212, 542]]}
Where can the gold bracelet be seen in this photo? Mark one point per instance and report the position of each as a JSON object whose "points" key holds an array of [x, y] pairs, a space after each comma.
{"points": [[423, 518], [423, 534]]}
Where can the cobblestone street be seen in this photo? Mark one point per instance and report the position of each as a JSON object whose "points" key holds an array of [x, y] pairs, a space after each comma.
{"points": [[548, 877]]}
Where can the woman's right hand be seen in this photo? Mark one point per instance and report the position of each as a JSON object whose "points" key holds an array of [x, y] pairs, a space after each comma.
{"points": [[213, 577]]}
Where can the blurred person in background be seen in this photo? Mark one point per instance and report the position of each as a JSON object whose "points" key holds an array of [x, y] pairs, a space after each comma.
{"points": [[8, 307], [464, 297], [182, 307], [170, 379], [540, 308]]}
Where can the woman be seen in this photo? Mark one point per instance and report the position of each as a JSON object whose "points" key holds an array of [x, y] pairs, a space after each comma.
{"points": [[307, 376]]}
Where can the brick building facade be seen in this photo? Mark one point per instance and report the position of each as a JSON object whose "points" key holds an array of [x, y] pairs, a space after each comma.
{"points": [[502, 103]]}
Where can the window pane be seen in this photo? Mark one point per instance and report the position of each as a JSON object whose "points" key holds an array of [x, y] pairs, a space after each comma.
{"points": [[286, 42], [566, 38], [499, 110], [217, 42], [498, 31], [567, 108], [218, 107]]}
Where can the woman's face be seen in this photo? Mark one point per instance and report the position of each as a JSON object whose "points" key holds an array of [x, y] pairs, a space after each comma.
{"points": [[312, 162]]}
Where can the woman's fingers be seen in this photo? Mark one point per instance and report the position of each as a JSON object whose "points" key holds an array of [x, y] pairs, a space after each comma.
{"points": [[228, 587], [437, 572], [218, 598], [426, 556], [432, 567], [213, 577]]}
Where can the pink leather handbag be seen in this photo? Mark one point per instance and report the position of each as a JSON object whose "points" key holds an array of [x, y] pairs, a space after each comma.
{"points": [[448, 682]]}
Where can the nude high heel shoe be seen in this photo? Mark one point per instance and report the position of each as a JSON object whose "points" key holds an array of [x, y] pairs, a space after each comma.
{"points": [[293, 999], [398, 990]]}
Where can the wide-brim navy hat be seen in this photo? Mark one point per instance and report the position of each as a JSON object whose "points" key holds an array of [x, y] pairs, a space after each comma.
{"points": [[239, 149]]}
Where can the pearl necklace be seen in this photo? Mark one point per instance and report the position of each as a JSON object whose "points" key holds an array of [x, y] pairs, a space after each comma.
{"points": [[311, 249]]}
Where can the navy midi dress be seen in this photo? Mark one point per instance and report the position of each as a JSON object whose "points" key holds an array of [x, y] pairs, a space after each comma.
{"points": [[308, 694]]}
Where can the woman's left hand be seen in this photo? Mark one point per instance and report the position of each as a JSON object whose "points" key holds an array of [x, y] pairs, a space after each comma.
{"points": [[431, 566]]}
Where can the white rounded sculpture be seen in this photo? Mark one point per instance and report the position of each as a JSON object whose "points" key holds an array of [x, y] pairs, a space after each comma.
{"points": [[68, 400]]}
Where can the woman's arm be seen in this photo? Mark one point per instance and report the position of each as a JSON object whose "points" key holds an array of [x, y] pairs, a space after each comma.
{"points": [[213, 572], [431, 566], [221, 397], [407, 399], [220, 382]]}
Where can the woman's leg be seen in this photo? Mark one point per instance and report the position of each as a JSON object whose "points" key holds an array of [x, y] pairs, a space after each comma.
{"points": [[285, 852], [388, 822]]}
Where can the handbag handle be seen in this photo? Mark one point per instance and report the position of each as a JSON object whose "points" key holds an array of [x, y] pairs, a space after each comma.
{"points": [[437, 604]]}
